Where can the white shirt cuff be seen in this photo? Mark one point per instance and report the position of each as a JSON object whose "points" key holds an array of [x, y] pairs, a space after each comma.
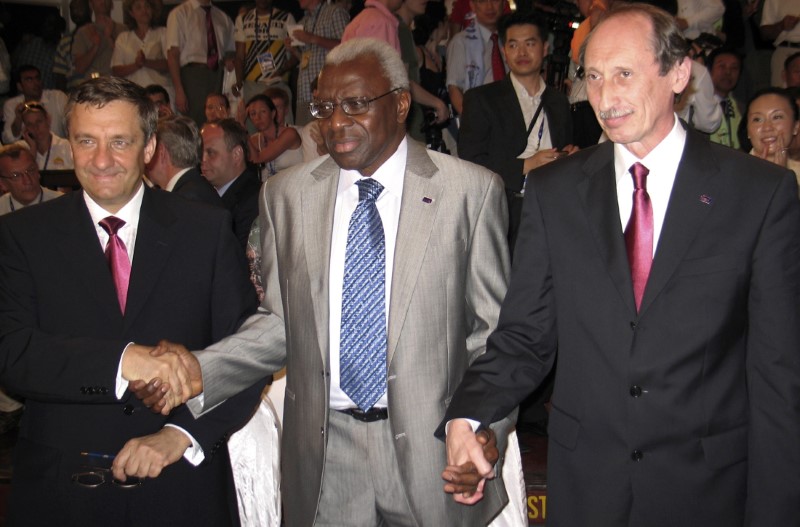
{"points": [[121, 384], [194, 454]]}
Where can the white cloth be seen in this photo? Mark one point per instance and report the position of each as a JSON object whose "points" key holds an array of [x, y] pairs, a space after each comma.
{"points": [[662, 162], [701, 15], [9, 204], [391, 175], [776, 10], [186, 30], [528, 104], [515, 513], [54, 101], [255, 460], [154, 46], [457, 55], [702, 106], [59, 157]]}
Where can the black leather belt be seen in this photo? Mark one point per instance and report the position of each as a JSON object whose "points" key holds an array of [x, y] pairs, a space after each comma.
{"points": [[370, 416], [787, 44]]}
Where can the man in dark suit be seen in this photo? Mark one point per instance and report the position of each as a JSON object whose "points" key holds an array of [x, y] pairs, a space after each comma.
{"points": [[677, 393], [517, 124], [75, 324], [225, 167], [177, 156]]}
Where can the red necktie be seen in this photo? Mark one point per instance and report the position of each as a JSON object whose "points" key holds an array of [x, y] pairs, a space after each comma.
{"points": [[212, 57], [639, 233], [498, 68], [117, 256]]}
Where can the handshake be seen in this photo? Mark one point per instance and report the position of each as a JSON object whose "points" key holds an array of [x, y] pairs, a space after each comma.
{"points": [[162, 377]]}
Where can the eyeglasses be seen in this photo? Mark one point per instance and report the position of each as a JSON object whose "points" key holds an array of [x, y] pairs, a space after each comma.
{"points": [[350, 106], [33, 107], [93, 477], [31, 172]]}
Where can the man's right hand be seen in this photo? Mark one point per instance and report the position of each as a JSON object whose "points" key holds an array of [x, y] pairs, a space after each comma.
{"points": [[163, 377], [467, 455]]}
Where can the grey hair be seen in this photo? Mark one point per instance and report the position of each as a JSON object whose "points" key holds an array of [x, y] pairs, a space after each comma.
{"points": [[389, 59], [181, 139], [667, 42]]}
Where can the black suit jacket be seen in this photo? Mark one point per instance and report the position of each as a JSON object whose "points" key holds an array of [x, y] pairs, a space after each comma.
{"points": [[61, 338], [687, 413], [241, 199], [193, 186], [493, 131]]}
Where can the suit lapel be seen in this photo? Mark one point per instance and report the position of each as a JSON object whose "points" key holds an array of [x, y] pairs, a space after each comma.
{"points": [[691, 200], [154, 241], [421, 200], [512, 110], [80, 250], [318, 203], [598, 193]]}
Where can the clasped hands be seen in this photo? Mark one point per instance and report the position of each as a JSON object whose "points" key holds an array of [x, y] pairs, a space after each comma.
{"points": [[163, 377], [470, 460]]}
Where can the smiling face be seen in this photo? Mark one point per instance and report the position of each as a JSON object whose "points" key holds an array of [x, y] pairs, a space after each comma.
{"points": [[632, 100], [110, 152], [524, 50], [362, 142], [771, 125]]}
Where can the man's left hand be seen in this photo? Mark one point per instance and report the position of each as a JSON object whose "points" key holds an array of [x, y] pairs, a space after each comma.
{"points": [[146, 457], [470, 460]]}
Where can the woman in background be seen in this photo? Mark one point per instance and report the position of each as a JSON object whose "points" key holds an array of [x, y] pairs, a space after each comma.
{"points": [[274, 146]]}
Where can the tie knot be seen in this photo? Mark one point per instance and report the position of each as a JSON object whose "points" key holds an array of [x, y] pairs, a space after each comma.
{"points": [[494, 38], [368, 189], [206, 8], [111, 224], [639, 173]]}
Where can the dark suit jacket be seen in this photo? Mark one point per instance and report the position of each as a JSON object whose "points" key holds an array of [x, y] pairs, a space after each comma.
{"points": [[493, 131], [241, 199], [193, 186], [61, 338], [687, 413]]}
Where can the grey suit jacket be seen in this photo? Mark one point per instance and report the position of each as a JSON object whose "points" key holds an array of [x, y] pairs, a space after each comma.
{"points": [[450, 275]]}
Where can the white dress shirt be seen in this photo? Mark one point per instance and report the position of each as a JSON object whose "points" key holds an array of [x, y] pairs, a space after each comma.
{"points": [[662, 162], [186, 30], [391, 175], [539, 138], [129, 213]]}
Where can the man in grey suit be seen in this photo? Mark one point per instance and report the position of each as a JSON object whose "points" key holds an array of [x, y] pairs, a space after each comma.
{"points": [[444, 223]]}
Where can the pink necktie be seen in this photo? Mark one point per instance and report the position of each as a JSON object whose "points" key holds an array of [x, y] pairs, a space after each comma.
{"points": [[117, 256], [212, 56], [498, 68], [639, 233]]}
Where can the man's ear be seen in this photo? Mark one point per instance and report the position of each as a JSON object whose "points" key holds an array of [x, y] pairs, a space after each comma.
{"points": [[403, 105]]}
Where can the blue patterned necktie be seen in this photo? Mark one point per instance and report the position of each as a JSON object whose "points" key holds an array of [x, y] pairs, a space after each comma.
{"points": [[362, 342]]}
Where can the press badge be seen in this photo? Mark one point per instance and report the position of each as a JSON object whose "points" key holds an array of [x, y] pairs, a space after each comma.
{"points": [[267, 63]]}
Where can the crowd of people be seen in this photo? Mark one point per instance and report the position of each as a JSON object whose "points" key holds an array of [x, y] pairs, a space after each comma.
{"points": [[397, 205]]}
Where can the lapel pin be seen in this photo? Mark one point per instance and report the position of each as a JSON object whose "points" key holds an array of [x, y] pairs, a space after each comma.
{"points": [[426, 199], [707, 200]]}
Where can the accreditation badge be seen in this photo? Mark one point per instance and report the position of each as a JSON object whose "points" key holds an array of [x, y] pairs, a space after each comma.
{"points": [[267, 64]]}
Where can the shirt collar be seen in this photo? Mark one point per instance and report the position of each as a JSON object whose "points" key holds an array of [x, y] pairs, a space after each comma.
{"points": [[128, 213], [386, 175], [174, 179], [522, 92], [662, 156]]}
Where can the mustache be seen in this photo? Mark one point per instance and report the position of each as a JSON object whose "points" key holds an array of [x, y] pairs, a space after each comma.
{"points": [[613, 113]]}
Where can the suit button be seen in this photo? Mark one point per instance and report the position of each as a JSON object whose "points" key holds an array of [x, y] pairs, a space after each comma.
{"points": [[128, 410], [83, 390], [90, 390], [104, 390], [322, 432], [636, 391], [633, 325], [637, 455]]}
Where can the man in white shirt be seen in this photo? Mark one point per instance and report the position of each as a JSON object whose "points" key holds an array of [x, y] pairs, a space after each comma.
{"points": [[662, 270], [699, 16], [29, 84], [472, 53], [780, 23], [196, 56], [52, 152], [70, 315], [19, 179]]}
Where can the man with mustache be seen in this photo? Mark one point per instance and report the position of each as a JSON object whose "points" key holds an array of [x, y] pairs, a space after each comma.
{"points": [[663, 273]]}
